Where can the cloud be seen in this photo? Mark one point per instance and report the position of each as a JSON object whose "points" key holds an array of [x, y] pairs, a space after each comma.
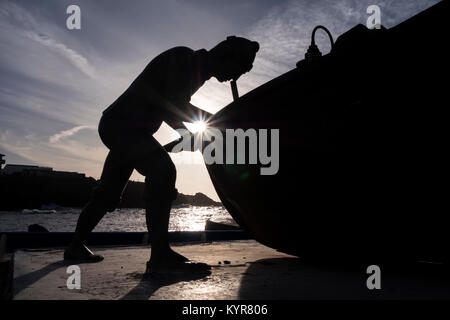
{"points": [[25, 23], [67, 133], [65, 154], [75, 58]]}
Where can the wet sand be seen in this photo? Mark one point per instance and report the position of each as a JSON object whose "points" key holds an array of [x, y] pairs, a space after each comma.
{"points": [[247, 270]]}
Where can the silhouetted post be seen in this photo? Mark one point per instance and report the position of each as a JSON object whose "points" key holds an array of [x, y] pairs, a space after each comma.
{"points": [[234, 90], [2, 161], [6, 271]]}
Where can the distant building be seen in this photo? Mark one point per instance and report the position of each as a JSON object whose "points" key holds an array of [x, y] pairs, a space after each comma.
{"points": [[36, 171], [25, 169]]}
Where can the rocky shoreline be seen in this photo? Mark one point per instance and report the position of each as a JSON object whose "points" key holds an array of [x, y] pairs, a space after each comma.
{"points": [[29, 192]]}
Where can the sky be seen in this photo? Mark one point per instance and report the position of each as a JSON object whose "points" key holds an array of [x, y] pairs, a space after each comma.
{"points": [[55, 82]]}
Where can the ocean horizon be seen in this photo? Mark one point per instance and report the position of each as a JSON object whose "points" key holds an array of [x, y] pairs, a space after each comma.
{"points": [[182, 218]]}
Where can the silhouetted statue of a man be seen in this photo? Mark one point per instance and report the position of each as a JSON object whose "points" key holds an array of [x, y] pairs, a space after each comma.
{"points": [[160, 93]]}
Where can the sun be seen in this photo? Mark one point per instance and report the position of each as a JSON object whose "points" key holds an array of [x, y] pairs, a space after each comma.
{"points": [[197, 126]]}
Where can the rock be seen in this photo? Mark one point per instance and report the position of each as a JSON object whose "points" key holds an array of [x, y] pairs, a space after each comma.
{"points": [[211, 225], [36, 228], [199, 199]]}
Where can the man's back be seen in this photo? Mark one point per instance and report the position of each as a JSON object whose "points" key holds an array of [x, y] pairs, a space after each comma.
{"points": [[168, 81]]}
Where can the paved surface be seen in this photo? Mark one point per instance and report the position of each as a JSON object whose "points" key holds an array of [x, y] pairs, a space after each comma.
{"points": [[253, 272]]}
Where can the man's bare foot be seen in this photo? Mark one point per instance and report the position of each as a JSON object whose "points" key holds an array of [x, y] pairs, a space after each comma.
{"points": [[81, 252], [171, 261], [175, 256]]}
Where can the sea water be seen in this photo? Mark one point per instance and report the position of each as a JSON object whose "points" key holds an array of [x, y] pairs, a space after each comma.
{"points": [[186, 218]]}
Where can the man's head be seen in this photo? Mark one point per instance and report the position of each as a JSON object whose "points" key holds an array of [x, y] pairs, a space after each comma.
{"points": [[231, 58]]}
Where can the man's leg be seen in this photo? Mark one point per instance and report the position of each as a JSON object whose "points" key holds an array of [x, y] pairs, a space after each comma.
{"points": [[160, 176], [160, 192], [105, 198]]}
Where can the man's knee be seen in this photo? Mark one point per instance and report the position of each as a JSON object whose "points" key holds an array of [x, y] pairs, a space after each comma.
{"points": [[106, 197], [157, 166], [153, 193], [161, 185], [171, 174]]}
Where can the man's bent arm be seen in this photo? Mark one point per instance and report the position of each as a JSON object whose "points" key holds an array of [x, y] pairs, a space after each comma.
{"points": [[181, 111]]}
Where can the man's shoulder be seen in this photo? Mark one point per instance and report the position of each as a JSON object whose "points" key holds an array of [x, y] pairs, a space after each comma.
{"points": [[173, 58], [180, 50], [176, 53]]}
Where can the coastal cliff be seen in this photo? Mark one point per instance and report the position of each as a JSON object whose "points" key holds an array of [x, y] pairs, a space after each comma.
{"points": [[21, 191]]}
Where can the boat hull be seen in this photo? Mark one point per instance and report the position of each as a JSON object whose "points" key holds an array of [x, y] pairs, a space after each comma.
{"points": [[361, 158]]}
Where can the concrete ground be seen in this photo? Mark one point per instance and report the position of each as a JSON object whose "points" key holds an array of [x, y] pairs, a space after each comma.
{"points": [[240, 270]]}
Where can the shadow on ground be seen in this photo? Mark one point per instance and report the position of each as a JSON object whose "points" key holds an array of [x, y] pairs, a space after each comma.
{"points": [[295, 278], [27, 280], [149, 285]]}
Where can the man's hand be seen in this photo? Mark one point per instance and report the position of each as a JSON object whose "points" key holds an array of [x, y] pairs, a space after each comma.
{"points": [[191, 114], [188, 135]]}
